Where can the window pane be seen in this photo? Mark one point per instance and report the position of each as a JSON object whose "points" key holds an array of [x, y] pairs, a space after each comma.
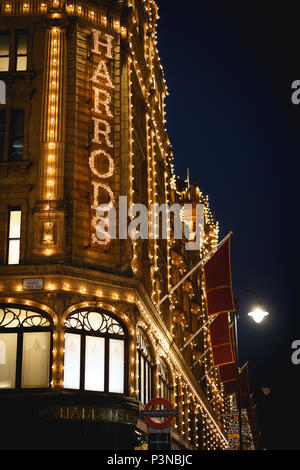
{"points": [[146, 382], [116, 366], [14, 252], [8, 355], [22, 43], [2, 92], [4, 44], [21, 63], [36, 360], [94, 364], [4, 64], [2, 132], [16, 135], [14, 224], [4, 52], [72, 361], [142, 391]]}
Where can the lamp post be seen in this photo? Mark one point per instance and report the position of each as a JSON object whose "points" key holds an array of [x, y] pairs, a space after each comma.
{"points": [[258, 314]]}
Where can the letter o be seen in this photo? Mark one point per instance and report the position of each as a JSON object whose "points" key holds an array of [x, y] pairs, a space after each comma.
{"points": [[110, 172]]}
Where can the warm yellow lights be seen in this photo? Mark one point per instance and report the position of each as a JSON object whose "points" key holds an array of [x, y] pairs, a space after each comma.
{"points": [[161, 186], [102, 115]]}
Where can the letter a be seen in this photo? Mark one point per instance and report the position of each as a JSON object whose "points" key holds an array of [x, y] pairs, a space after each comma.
{"points": [[102, 72]]}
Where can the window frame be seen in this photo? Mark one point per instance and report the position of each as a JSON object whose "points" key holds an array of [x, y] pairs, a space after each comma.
{"points": [[7, 140], [20, 330], [146, 361], [11, 126], [13, 34], [164, 384], [8, 34], [9, 210], [107, 336], [15, 55]]}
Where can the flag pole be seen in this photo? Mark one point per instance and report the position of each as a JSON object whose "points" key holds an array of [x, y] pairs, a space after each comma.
{"points": [[209, 321], [203, 261]]}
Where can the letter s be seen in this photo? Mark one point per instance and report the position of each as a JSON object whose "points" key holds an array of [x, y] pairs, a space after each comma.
{"points": [[295, 95], [296, 354]]}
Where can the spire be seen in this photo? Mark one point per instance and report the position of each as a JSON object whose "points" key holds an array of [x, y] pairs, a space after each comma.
{"points": [[188, 177]]}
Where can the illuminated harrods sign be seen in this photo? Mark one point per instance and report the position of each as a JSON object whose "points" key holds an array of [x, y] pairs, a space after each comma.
{"points": [[91, 413], [101, 161]]}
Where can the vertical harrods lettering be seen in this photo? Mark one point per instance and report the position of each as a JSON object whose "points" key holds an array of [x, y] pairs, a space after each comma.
{"points": [[101, 160]]}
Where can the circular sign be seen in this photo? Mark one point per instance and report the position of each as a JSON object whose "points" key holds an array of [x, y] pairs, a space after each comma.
{"points": [[149, 420]]}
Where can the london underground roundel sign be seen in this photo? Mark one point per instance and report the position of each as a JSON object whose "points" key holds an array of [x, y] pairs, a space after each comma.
{"points": [[168, 413]]}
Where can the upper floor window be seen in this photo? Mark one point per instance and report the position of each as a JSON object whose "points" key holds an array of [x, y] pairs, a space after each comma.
{"points": [[25, 346], [4, 52], [2, 92], [2, 133], [144, 369], [16, 144], [12, 123], [164, 381], [95, 352], [13, 51], [21, 51], [14, 236]]}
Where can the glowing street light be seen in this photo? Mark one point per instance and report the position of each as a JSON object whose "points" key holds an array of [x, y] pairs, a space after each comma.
{"points": [[258, 314]]}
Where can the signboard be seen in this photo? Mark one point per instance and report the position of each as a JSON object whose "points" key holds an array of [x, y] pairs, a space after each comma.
{"points": [[33, 284], [168, 413], [90, 413]]}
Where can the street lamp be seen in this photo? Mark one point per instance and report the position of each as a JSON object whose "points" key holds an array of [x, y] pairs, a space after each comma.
{"points": [[258, 314]]}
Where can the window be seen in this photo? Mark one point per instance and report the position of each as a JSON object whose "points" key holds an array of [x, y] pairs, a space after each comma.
{"points": [[12, 122], [4, 52], [25, 345], [164, 381], [95, 352], [13, 51], [2, 132], [14, 235], [21, 51], [144, 369], [2, 92], [15, 152]]}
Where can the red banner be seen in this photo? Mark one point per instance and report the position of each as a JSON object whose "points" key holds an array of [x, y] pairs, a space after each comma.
{"points": [[217, 273], [227, 372], [220, 340]]}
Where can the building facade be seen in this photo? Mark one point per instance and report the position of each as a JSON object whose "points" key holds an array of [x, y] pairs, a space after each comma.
{"points": [[83, 343]]}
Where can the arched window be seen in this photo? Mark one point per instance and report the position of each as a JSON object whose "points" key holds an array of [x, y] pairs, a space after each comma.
{"points": [[144, 369], [164, 380], [95, 352], [25, 345]]}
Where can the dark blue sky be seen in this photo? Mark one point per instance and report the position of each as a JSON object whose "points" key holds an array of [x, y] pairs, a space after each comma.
{"points": [[229, 68]]}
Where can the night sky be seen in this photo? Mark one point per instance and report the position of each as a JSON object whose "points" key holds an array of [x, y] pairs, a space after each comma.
{"points": [[229, 67]]}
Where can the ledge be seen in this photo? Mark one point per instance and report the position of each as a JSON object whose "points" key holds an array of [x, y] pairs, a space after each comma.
{"points": [[21, 167]]}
